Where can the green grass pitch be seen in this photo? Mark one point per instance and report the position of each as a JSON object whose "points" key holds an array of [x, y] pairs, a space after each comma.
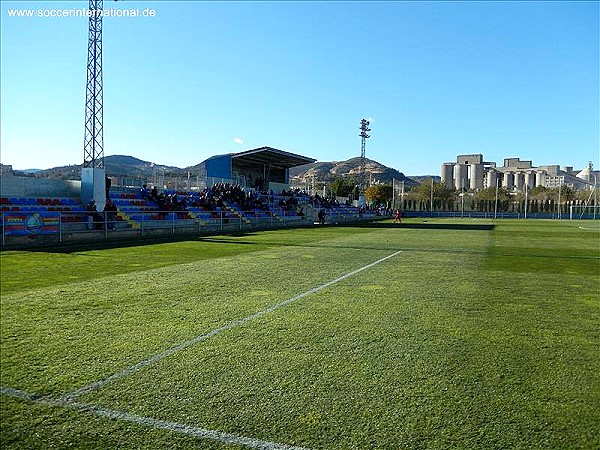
{"points": [[469, 337]]}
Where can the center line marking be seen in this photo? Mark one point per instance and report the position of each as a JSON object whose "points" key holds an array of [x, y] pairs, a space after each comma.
{"points": [[162, 355]]}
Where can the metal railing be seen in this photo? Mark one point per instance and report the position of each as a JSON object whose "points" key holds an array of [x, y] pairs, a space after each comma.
{"points": [[22, 229], [27, 229], [493, 215]]}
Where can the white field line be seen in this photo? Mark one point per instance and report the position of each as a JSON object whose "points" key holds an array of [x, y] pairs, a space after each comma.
{"points": [[162, 355], [203, 433]]}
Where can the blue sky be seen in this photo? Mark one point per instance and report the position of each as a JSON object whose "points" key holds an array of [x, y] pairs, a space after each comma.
{"points": [[506, 79]]}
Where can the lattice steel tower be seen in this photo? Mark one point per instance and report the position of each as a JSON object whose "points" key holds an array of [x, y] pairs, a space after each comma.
{"points": [[93, 148], [364, 129]]}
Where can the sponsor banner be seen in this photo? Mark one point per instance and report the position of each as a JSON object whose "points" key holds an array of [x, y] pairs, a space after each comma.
{"points": [[25, 224]]}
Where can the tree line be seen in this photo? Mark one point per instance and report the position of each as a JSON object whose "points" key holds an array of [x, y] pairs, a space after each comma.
{"points": [[419, 197]]}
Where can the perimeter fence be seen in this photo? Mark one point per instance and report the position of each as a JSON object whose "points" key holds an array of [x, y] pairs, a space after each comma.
{"points": [[24, 229]]}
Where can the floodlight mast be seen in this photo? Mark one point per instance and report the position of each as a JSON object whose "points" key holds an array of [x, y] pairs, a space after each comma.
{"points": [[364, 129], [93, 148]]}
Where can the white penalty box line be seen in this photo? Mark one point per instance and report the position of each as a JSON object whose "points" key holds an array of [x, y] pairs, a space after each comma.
{"points": [[70, 397], [220, 436]]}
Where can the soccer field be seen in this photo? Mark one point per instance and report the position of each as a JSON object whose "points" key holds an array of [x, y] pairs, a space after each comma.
{"points": [[437, 334]]}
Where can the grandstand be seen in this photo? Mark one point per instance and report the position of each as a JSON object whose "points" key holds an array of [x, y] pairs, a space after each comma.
{"points": [[244, 191]]}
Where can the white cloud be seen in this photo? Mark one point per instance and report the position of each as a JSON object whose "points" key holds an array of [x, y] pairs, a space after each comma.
{"points": [[238, 141]]}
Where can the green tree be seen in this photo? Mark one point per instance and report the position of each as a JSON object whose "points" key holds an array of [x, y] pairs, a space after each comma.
{"points": [[343, 186], [544, 194], [487, 199], [490, 194], [379, 193], [566, 193], [540, 193], [440, 191], [443, 197]]}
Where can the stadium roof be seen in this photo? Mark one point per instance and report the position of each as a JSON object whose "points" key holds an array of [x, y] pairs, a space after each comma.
{"points": [[271, 156]]}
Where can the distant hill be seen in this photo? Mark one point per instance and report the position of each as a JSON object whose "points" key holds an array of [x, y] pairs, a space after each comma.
{"points": [[328, 171], [128, 165], [123, 165], [421, 178], [115, 165]]}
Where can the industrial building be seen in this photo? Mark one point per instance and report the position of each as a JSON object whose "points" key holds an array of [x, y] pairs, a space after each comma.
{"points": [[471, 172]]}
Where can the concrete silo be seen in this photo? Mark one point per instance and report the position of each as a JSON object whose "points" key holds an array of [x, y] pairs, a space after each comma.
{"points": [[519, 179], [448, 175], [508, 180], [530, 180], [461, 176], [492, 178], [540, 178], [476, 176]]}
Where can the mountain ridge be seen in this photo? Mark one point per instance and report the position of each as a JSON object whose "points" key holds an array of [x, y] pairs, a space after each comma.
{"points": [[322, 171], [329, 170]]}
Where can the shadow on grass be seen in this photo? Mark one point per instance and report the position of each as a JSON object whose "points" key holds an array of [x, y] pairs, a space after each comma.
{"points": [[429, 226], [75, 247]]}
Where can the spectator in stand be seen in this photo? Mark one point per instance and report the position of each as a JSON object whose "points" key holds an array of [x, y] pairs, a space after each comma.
{"points": [[90, 208], [221, 195], [144, 193], [163, 205], [110, 213], [94, 219], [154, 194]]}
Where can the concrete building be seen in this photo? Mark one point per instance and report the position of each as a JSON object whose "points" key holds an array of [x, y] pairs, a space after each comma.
{"points": [[468, 172], [588, 175], [472, 172]]}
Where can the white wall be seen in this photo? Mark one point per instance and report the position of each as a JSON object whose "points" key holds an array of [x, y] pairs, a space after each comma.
{"points": [[11, 186]]}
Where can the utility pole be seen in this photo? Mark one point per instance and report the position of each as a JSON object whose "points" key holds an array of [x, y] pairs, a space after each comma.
{"points": [[431, 199], [462, 197], [595, 195], [364, 129], [496, 202], [93, 149], [526, 191], [402, 197], [93, 175], [558, 203], [397, 203]]}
